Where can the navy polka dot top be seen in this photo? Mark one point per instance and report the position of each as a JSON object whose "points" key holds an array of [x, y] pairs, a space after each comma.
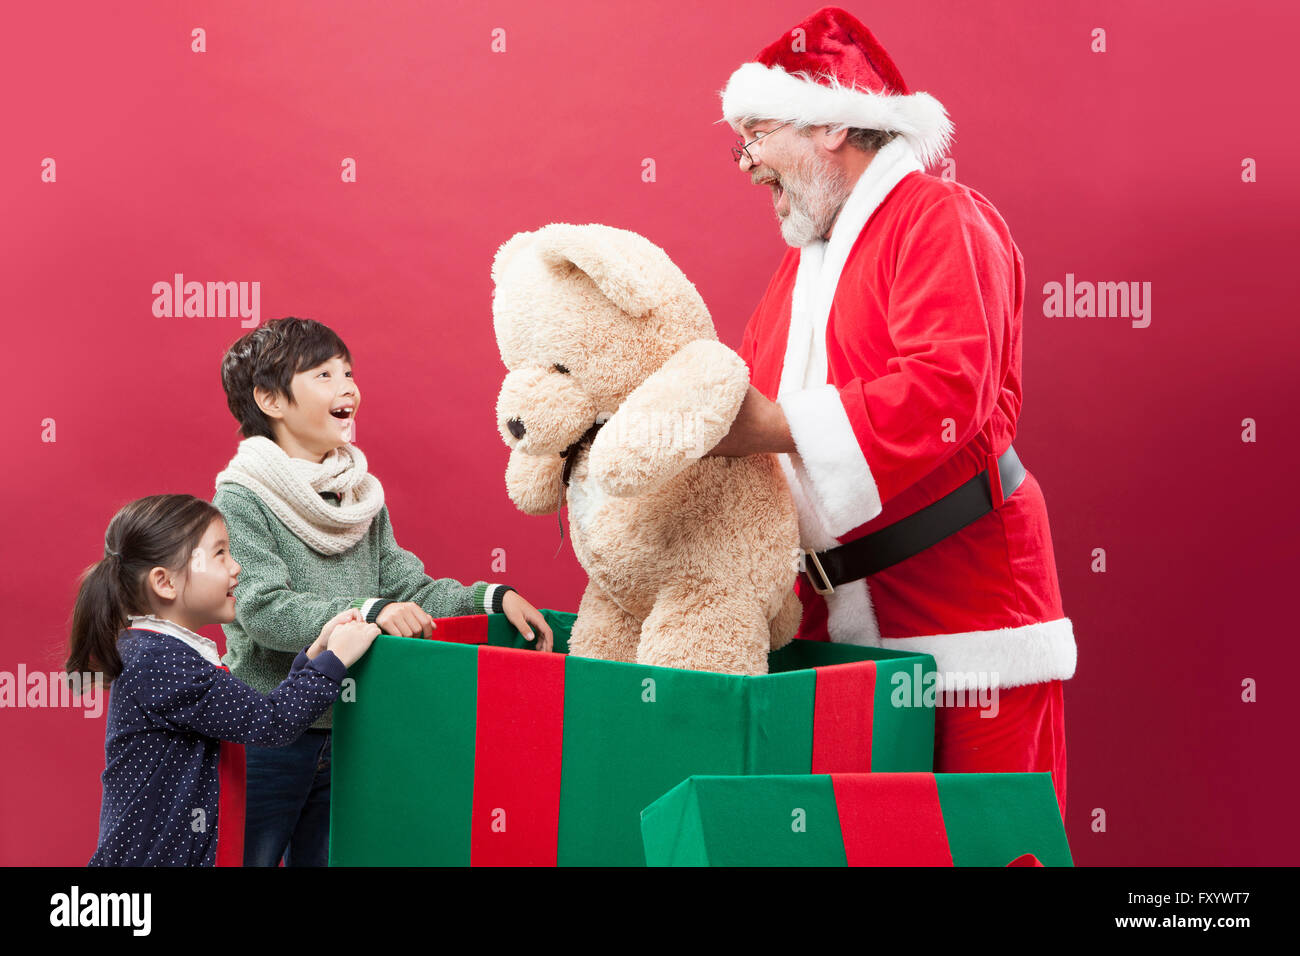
{"points": [[167, 715]]}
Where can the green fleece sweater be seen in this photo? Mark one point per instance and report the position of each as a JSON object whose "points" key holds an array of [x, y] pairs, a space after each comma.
{"points": [[287, 591]]}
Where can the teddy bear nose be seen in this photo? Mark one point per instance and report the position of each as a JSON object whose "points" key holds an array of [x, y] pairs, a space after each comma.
{"points": [[516, 427]]}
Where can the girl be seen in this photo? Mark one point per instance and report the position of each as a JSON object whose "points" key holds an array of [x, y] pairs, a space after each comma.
{"points": [[166, 572]]}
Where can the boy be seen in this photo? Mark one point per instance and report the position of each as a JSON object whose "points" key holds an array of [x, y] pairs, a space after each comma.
{"points": [[308, 523]]}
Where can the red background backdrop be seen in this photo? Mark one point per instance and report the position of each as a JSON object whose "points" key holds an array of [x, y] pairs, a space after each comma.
{"points": [[224, 165]]}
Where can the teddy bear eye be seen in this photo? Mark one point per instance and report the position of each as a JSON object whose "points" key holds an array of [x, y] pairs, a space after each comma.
{"points": [[561, 369]]}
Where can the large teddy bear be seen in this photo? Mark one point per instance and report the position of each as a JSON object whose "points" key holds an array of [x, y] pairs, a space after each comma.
{"points": [[617, 387]]}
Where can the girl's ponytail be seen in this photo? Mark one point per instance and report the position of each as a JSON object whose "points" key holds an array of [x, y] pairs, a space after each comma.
{"points": [[97, 618], [158, 531]]}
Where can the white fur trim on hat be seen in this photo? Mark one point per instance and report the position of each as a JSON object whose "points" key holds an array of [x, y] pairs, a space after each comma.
{"points": [[759, 92]]}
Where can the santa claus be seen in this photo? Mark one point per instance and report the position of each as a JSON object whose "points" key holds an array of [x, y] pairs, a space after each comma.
{"points": [[885, 362]]}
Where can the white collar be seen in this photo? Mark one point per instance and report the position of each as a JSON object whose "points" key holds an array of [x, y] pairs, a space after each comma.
{"points": [[822, 261], [887, 168], [147, 622]]}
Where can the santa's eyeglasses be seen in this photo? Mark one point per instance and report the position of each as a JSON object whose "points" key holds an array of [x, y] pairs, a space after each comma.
{"points": [[742, 148]]}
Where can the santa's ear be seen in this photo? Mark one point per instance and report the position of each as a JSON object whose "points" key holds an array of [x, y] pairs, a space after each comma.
{"points": [[509, 249], [625, 267]]}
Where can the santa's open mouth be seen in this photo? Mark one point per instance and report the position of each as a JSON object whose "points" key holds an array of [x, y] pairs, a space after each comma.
{"points": [[778, 194]]}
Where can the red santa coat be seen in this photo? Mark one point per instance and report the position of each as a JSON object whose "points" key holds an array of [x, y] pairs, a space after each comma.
{"points": [[894, 349]]}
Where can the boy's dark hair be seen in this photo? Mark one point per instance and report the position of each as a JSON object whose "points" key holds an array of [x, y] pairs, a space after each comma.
{"points": [[158, 531], [269, 357]]}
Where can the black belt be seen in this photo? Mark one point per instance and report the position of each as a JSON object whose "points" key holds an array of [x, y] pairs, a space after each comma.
{"points": [[884, 548]]}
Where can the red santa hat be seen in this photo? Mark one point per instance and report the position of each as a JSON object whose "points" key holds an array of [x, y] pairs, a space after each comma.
{"points": [[831, 70]]}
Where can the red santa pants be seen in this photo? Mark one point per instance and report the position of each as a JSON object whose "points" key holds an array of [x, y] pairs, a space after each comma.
{"points": [[1026, 735]]}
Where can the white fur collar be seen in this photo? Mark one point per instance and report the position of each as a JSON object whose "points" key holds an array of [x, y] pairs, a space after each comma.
{"points": [[822, 261]]}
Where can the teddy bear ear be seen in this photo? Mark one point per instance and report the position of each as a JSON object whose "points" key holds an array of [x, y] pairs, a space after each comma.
{"points": [[509, 249], [624, 266]]}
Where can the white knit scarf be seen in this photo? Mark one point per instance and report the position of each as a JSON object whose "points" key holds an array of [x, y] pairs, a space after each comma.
{"points": [[291, 488]]}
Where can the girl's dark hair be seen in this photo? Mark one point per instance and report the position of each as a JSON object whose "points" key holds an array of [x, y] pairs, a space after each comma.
{"points": [[158, 531], [269, 357]]}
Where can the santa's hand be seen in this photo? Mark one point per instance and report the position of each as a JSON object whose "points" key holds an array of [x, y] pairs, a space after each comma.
{"points": [[525, 617], [760, 426]]}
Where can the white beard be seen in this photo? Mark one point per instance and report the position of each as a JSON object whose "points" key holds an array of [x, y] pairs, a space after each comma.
{"points": [[816, 195]]}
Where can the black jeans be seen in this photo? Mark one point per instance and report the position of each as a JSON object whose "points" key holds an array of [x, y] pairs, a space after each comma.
{"points": [[287, 803]]}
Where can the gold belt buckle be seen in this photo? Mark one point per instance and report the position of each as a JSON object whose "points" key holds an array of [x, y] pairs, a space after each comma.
{"points": [[829, 588]]}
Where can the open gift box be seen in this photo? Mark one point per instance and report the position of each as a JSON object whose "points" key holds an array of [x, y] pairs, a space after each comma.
{"points": [[874, 819], [469, 749]]}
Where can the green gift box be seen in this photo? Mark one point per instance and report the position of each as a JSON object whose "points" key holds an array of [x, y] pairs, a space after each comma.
{"points": [[872, 819], [471, 749]]}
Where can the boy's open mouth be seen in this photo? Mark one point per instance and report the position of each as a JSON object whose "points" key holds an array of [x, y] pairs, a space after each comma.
{"points": [[342, 413]]}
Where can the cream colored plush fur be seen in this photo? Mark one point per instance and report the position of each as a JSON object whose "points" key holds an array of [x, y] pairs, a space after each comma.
{"points": [[691, 560]]}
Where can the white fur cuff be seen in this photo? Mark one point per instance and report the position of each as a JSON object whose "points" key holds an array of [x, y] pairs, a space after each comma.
{"points": [[1007, 657], [830, 463]]}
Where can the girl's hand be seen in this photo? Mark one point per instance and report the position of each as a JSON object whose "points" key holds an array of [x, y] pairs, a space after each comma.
{"points": [[351, 614], [524, 617], [351, 639]]}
